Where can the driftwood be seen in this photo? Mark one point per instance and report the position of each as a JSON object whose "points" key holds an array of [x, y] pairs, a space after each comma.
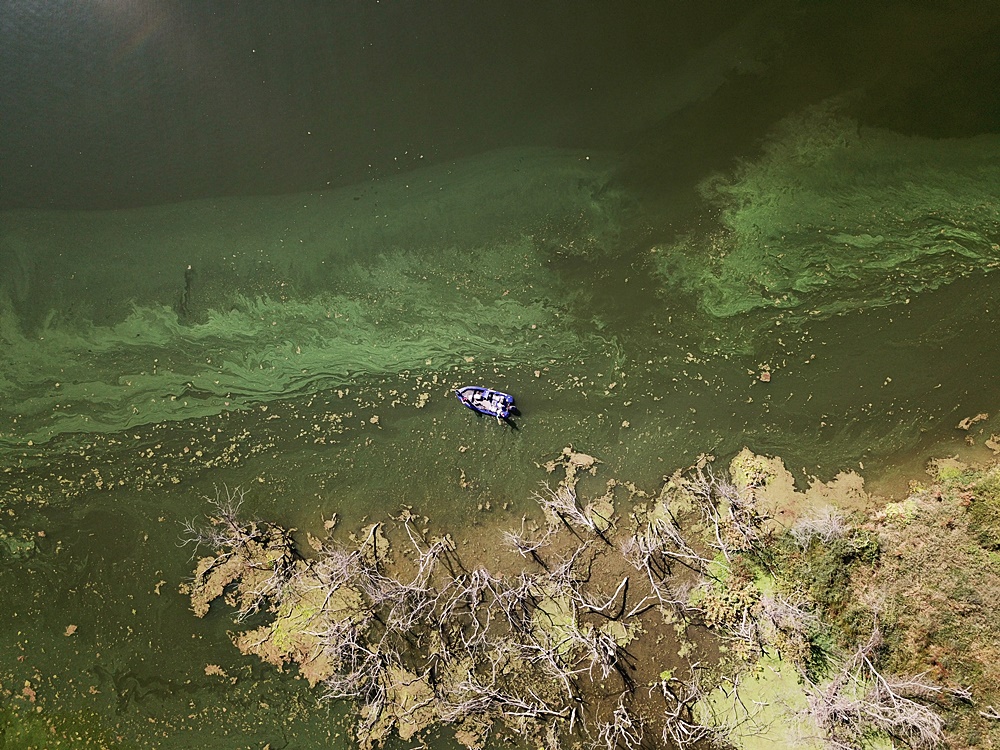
{"points": [[420, 637], [416, 636]]}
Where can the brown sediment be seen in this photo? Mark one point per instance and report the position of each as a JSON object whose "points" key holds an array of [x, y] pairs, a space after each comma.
{"points": [[967, 422], [572, 463]]}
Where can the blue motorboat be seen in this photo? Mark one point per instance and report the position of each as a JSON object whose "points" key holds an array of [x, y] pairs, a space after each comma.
{"points": [[487, 401]]}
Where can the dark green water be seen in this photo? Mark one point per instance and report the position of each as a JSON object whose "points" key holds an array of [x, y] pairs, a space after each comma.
{"points": [[259, 249]]}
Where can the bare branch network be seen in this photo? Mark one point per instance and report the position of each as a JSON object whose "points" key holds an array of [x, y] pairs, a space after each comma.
{"points": [[549, 647]]}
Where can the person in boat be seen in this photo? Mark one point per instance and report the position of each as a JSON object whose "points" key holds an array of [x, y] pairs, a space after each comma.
{"points": [[488, 401]]}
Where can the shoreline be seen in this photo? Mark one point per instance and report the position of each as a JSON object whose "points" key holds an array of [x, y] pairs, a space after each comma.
{"points": [[726, 583]]}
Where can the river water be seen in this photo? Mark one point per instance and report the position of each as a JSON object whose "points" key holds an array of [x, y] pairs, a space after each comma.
{"points": [[259, 249]]}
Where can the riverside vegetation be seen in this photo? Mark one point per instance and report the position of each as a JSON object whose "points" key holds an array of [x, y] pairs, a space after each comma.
{"points": [[638, 619]]}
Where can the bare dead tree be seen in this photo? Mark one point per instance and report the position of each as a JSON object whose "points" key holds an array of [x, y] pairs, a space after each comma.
{"points": [[663, 589], [788, 612], [731, 517], [680, 729], [788, 616], [408, 604], [488, 689], [337, 568], [861, 699], [465, 700], [655, 549], [224, 529], [741, 514], [560, 505], [567, 574], [663, 538], [600, 650], [253, 561], [530, 705], [613, 608], [526, 546], [622, 732], [824, 524], [341, 640], [269, 588], [469, 610], [517, 600]]}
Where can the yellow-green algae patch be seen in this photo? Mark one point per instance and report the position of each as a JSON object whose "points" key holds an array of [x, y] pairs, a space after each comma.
{"points": [[768, 710], [18, 546], [773, 485], [833, 217], [900, 511], [601, 513], [294, 636], [554, 622], [621, 633], [137, 343]]}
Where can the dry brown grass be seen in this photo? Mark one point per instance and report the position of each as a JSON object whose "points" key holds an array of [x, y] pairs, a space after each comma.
{"points": [[940, 591]]}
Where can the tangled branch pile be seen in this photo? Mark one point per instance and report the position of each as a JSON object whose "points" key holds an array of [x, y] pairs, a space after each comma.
{"points": [[580, 633]]}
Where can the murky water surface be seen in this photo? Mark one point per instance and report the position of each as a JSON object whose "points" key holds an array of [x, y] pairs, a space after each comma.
{"points": [[660, 256]]}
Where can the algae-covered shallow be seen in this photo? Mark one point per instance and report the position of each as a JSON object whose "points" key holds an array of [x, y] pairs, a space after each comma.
{"points": [[304, 348], [832, 218], [554, 292]]}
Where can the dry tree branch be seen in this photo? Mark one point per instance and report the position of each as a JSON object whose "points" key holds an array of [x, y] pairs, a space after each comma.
{"points": [[826, 524], [990, 713], [622, 732], [560, 506], [601, 650], [527, 547], [473, 697], [733, 517], [641, 554], [588, 603], [861, 699], [225, 531], [564, 577], [679, 727]]}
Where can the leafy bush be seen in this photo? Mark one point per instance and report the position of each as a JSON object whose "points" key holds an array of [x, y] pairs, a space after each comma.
{"points": [[824, 569]]}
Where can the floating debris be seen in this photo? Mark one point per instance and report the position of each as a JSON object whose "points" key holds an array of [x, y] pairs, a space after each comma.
{"points": [[966, 423]]}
